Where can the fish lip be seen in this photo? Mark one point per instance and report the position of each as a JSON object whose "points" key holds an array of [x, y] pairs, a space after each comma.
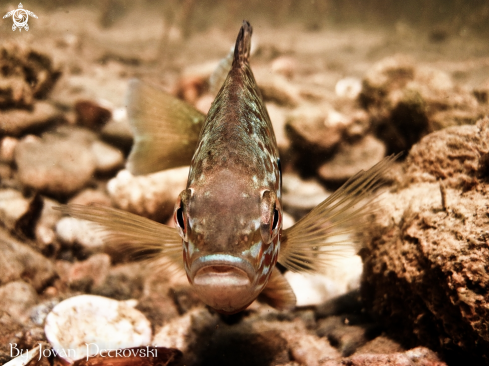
{"points": [[239, 266]]}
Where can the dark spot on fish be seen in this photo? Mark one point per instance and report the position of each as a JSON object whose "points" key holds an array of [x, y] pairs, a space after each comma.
{"points": [[261, 146]]}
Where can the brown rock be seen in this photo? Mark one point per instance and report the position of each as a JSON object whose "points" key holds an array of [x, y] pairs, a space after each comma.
{"points": [[417, 356], [60, 163], [82, 276], [16, 122], [11, 331], [351, 158], [19, 262], [407, 101], [314, 133], [26, 75], [276, 88], [425, 261], [91, 115], [16, 298]]}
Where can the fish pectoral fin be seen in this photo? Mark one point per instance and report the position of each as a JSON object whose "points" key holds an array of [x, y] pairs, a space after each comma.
{"points": [[278, 293], [329, 229], [166, 129], [134, 234]]}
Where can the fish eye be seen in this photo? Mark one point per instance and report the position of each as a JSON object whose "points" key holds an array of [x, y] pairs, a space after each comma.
{"points": [[275, 219], [179, 218], [180, 221], [271, 216]]}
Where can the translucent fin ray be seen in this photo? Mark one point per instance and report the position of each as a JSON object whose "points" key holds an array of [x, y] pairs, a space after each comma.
{"points": [[125, 231], [166, 129], [320, 236], [278, 293]]}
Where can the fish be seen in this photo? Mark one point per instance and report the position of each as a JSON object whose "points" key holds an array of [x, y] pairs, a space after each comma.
{"points": [[228, 235]]}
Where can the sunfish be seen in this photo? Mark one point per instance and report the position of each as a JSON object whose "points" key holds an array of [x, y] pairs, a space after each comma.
{"points": [[229, 218]]}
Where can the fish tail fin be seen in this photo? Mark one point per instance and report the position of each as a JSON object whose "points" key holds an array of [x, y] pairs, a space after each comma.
{"points": [[166, 129], [138, 236], [243, 45], [327, 230]]}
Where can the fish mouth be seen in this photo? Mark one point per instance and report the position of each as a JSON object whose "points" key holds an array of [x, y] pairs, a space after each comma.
{"points": [[224, 282], [221, 270]]}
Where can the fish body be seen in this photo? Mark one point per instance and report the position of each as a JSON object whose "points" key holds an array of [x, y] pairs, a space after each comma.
{"points": [[229, 235], [231, 211]]}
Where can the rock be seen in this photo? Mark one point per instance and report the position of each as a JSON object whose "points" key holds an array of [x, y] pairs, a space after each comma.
{"points": [[407, 101], [416, 356], [314, 132], [185, 332], [284, 65], [380, 345], [17, 122], [11, 332], [45, 228], [39, 312], [26, 75], [300, 196], [76, 231], [287, 220], [19, 262], [158, 302], [7, 148], [16, 298], [313, 289], [351, 158], [276, 88], [278, 117], [426, 250], [348, 88], [107, 158], [91, 115], [83, 276], [13, 206], [103, 323], [60, 163], [122, 282], [204, 103], [153, 195], [118, 131], [90, 197]]}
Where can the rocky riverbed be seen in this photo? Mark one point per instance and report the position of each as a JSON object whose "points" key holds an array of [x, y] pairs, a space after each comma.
{"points": [[340, 100]]}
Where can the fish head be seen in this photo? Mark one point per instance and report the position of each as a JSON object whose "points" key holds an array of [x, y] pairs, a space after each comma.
{"points": [[230, 231]]}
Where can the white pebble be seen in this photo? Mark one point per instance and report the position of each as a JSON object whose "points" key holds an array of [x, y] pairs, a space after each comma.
{"points": [[348, 88], [71, 231], [100, 322]]}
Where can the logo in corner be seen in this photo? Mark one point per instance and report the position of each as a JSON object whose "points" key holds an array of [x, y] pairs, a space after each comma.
{"points": [[20, 17]]}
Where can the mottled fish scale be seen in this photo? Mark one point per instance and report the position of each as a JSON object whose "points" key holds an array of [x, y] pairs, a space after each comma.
{"points": [[237, 134]]}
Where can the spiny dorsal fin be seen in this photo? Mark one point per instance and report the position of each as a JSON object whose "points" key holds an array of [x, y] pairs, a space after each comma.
{"points": [[243, 45], [166, 129], [324, 232]]}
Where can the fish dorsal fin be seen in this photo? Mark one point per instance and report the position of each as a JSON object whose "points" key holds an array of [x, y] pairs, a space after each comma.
{"points": [[278, 293], [166, 129], [243, 45], [329, 229]]}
